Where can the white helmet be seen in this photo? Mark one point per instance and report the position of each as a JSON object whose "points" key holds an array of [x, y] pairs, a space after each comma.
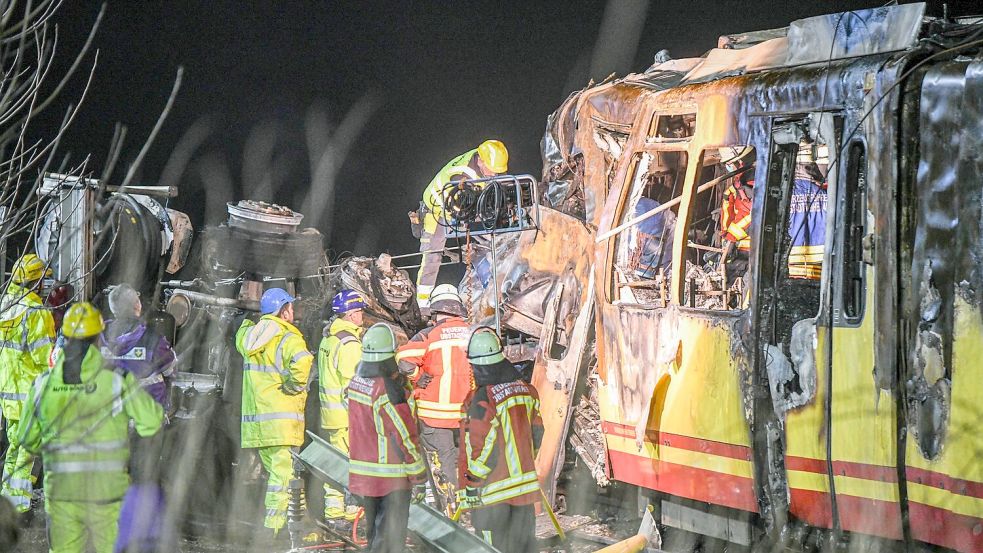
{"points": [[445, 299]]}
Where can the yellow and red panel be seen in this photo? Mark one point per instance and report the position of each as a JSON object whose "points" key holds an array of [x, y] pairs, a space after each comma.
{"points": [[945, 494]]}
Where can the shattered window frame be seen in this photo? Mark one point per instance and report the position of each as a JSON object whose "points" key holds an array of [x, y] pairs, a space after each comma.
{"points": [[667, 117], [853, 268], [623, 283], [728, 291]]}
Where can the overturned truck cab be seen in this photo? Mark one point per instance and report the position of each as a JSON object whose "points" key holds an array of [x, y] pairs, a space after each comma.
{"points": [[757, 286]]}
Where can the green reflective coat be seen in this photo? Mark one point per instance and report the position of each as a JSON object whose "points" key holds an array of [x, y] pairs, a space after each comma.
{"points": [[27, 333], [82, 429], [276, 372], [337, 358]]}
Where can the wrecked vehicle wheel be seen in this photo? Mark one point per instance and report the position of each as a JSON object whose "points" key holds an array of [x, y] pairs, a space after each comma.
{"points": [[283, 255]]}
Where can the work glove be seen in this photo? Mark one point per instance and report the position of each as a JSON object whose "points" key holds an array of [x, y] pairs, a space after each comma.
{"points": [[418, 494], [424, 381], [469, 497]]}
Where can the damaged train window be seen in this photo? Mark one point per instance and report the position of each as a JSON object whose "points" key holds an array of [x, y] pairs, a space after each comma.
{"points": [[672, 126], [855, 210], [718, 239], [643, 250]]}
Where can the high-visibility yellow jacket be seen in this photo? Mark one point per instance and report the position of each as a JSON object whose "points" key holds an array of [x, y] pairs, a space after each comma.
{"points": [[79, 421], [27, 333], [337, 358], [456, 169], [276, 369]]}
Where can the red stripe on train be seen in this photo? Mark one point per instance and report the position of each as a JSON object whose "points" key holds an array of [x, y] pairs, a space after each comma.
{"points": [[690, 443], [870, 516], [945, 482], [690, 482], [945, 528], [811, 507]]}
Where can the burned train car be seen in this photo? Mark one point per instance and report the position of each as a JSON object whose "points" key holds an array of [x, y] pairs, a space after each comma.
{"points": [[817, 378]]}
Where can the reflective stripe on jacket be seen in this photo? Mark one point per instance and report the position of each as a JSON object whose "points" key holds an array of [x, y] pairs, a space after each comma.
{"points": [[27, 333], [441, 352], [338, 355], [456, 169], [384, 446], [82, 429], [276, 369], [807, 228], [736, 213], [498, 443]]}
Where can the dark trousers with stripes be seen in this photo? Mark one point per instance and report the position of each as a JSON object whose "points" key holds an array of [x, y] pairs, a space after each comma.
{"points": [[385, 519], [510, 528]]}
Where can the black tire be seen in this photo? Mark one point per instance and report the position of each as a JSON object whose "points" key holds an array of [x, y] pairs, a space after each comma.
{"points": [[288, 255]]}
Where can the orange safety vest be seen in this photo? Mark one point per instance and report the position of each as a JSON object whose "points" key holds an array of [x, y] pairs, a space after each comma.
{"points": [[736, 215], [441, 352]]}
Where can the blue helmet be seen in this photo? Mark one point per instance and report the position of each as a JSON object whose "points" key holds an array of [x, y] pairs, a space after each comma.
{"points": [[273, 301], [347, 300]]}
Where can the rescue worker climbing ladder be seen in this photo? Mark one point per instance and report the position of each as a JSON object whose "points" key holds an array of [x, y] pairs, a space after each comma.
{"points": [[501, 434], [337, 357], [27, 331], [386, 460], [490, 158], [78, 415], [276, 369]]}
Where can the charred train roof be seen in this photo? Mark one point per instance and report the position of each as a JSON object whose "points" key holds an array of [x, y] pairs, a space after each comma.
{"points": [[822, 63]]}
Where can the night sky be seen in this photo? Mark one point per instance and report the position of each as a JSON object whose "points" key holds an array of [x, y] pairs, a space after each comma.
{"points": [[443, 77]]}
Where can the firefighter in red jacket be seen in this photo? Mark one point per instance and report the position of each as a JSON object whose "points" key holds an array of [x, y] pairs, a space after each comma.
{"points": [[735, 218], [501, 434], [436, 362], [386, 463]]}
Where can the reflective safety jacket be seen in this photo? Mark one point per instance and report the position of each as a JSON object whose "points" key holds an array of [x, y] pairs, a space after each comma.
{"points": [[134, 348], [384, 446], [27, 333], [276, 369], [500, 436], [78, 418], [807, 227], [456, 169], [337, 358], [736, 214], [440, 351]]}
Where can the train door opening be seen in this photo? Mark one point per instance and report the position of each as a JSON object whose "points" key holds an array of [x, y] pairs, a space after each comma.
{"points": [[792, 314]]}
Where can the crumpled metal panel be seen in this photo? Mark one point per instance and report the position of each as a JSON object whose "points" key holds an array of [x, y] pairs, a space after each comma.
{"points": [[854, 33], [937, 253], [724, 62], [532, 266], [436, 530], [569, 130]]}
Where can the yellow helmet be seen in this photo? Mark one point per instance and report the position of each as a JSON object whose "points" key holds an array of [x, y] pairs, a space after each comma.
{"points": [[29, 268], [494, 155], [82, 320]]}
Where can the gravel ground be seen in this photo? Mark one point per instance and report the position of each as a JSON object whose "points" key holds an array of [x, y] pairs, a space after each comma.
{"points": [[33, 539]]}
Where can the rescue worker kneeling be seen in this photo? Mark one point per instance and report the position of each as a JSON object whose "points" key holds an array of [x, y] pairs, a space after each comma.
{"points": [[386, 461], [77, 415], [501, 434]]}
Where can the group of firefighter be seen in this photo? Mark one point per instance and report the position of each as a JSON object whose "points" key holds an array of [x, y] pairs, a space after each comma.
{"points": [[81, 393], [445, 415]]}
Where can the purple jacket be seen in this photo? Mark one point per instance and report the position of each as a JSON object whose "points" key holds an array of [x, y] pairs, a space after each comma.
{"points": [[132, 347]]}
